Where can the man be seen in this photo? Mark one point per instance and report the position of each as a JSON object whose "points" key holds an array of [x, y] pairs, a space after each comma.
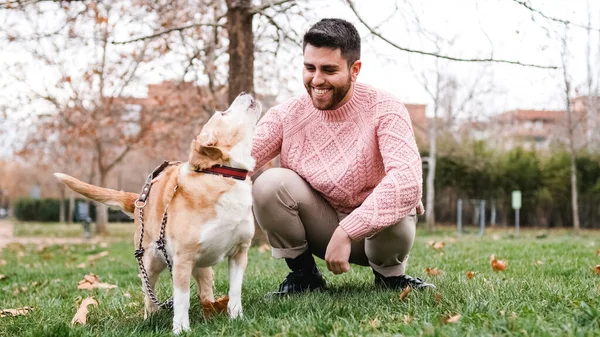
{"points": [[350, 181]]}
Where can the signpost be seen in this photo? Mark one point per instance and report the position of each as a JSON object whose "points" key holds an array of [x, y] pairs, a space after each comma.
{"points": [[516, 205]]}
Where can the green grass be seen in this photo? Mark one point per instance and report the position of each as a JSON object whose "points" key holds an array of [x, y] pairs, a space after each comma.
{"points": [[73, 230], [557, 296]]}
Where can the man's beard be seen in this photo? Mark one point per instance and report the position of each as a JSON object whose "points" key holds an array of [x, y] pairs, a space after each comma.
{"points": [[338, 94]]}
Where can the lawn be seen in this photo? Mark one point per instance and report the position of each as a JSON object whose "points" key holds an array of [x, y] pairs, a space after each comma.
{"points": [[549, 289]]}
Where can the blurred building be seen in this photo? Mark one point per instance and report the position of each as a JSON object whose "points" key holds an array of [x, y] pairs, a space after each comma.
{"points": [[538, 129]]}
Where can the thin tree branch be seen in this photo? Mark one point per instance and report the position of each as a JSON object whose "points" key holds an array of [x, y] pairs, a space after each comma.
{"points": [[169, 31], [268, 4], [439, 55], [566, 22], [22, 3]]}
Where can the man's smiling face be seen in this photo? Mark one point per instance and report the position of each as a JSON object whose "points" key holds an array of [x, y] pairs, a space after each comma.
{"points": [[327, 77]]}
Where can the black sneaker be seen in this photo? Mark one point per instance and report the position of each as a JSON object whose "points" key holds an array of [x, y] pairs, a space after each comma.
{"points": [[299, 281], [400, 282]]}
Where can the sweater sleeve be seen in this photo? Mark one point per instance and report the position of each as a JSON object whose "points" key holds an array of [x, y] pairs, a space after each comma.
{"points": [[401, 188], [267, 139]]}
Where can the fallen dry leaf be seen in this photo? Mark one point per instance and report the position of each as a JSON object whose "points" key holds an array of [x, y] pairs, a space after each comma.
{"points": [[128, 295], [404, 293], [432, 272], [439, 245], [453, 319], [470, 274], [407, 319], [91, 281], [438, 298], [375, 323], [81, 266], [598, 252], [2, 277], [212, 308], [264, 248], [81, 314], [431, 243], [97, 256], [539, 262], [15, 312], [597, 269], [498, 265]]}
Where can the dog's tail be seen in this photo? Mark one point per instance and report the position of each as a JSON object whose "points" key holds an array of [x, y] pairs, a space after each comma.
{"points": [[125, 201]]}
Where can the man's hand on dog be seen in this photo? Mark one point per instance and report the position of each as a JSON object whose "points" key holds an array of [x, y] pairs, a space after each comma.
{"points": [[338, 252]]}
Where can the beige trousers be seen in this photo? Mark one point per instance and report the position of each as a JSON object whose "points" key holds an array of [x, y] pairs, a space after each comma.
{"points": [[296, 218]]}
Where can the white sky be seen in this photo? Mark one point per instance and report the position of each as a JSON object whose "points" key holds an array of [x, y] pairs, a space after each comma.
{"points": [[477, 29]]}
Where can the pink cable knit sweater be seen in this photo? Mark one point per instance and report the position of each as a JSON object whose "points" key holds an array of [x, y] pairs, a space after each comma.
{"points": [[362, 157]]}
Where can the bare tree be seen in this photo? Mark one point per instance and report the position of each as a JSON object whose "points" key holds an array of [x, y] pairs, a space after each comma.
{"points": [[571, 132]]}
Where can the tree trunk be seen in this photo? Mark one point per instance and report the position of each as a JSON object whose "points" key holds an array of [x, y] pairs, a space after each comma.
{"points": [[241, 47], [71, 207], [101, 210], [61, 205], [572, 147], [431, 161]]}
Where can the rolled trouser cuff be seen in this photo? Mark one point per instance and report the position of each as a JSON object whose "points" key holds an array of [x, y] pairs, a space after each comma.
{"points": [[288, 253]]}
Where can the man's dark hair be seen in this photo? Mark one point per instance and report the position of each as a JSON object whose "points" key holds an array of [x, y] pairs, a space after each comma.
{"points": [[335, 33]]}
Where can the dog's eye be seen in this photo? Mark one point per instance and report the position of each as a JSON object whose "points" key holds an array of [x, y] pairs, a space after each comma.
{"points": [[224, 113]]}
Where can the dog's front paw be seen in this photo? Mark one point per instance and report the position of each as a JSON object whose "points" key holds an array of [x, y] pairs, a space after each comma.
{"points": [[235, 311], [179, 328]]}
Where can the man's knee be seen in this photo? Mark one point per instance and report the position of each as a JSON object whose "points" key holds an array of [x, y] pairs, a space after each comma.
{"points": [[274, 186]]}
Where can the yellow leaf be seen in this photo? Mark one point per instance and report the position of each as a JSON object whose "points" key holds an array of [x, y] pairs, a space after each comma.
{"points": [[375, 323], [539, 262], [97, 256], [15, 312], [81, 314], [439, 245], [432, 272], [453, 319], [91, 281], [407, 319], [405, 293], [598, 252], [470, 274], [81, 266]]}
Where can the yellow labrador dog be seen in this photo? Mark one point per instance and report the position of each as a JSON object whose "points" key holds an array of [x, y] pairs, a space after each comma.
{"points": [[209, 204]]}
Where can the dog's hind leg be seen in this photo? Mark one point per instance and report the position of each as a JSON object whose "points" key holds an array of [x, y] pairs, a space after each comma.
{"points": [[237, 266], [182, 273], [204, 279], [153, 267]]}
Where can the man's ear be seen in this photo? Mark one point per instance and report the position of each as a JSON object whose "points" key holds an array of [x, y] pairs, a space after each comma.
{"points": [[355, 69]]}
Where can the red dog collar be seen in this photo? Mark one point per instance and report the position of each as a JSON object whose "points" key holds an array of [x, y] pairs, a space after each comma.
{"points": [[226, 171]]}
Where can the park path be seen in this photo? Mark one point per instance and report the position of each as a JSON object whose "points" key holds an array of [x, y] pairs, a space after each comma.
{"points": [[7, 237]]}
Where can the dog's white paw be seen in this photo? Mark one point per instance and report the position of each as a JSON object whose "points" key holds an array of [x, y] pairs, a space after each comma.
{"points": [[179, 328], [235, 311]]}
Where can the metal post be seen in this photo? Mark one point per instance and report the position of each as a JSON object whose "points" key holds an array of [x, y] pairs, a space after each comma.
{"points": [[517, 221], [459, 216], [482, 217]]}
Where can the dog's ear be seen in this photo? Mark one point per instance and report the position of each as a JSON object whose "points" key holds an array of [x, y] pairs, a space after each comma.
{"points": [[206, 153], [211, 152]]}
